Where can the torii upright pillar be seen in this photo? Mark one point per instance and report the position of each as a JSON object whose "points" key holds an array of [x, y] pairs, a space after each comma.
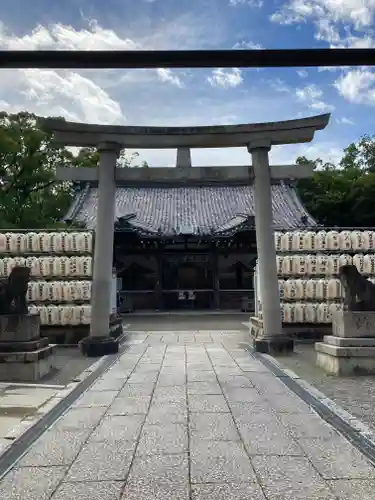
{"points": [[273, 340], [99, 342]]}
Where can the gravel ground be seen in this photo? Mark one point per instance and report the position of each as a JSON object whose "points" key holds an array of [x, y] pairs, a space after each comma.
{"points": [[355, 394]]}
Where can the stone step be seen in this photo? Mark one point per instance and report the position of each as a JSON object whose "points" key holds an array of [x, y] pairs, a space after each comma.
{"points": [[345, 352], [32, 345], [349, 342]]}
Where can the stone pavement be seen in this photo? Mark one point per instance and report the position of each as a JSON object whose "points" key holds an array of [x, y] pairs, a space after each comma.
{"points": [[189, 421]]}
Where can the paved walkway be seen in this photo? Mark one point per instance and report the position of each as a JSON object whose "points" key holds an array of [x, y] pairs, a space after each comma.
{"points": [[191, 421]]}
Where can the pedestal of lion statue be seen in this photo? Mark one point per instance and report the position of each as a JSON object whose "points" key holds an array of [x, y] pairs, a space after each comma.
{"points": [[24, 355], [350, 350]]}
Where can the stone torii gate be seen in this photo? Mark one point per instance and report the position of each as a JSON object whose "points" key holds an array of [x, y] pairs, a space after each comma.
{"points": [[257, 138]]}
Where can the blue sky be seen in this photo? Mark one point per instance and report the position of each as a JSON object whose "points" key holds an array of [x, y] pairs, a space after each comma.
{"points": [[196, 97]]}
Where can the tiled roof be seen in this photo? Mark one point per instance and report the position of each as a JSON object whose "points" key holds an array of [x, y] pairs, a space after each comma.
{"points": [[192, 209]]}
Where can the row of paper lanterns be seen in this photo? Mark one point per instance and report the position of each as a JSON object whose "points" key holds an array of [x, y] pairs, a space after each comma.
{"points": [[63, 314], [46, 242], [312, 241], [304, 312], [59, 291], [49, 266], [311, 265], [309, 312]]}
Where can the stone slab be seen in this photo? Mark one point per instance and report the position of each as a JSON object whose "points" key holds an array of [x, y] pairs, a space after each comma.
{"points": [[349, 342], [345, 366], [287, 477], [353, 324], [91, 490], [34, 483], [21, 328], [104, 461], [27, 356], [345, 352], [32, 371], [31, 345]]}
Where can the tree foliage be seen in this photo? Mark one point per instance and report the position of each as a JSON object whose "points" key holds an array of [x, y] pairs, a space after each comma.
{"points": [[343, 195], [30, 194]]}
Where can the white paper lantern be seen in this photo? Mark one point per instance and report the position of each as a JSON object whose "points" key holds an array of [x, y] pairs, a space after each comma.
{"points": [[19, 261], [278, 238], [86, 315], [311, 289], [57, 240], [287, 313], [33, 310], [369, 237], [369, 264], [300, 289], [322, 264], [76, 315], [3, 243], [333, 289], [86, 263], [34, 265], [287, 266], [333, 264], [53, 315], [85, 289], [46, 242], [309, 241], [287, 242], [300, 264], [300, 312], [312, 265], [8, 265], [290, 289], [333, 309], [359, 262], [358, 242], [65, 266], [345, 240], [57, 291], [297, 241], [345, 259], [323, 312], [279, 265], [311, 313], [47, 266], [320, 240], [282, 289], [333, 240]]}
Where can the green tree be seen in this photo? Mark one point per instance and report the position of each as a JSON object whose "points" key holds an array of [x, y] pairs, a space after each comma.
{"points": [[30, 194], [343, 195]]}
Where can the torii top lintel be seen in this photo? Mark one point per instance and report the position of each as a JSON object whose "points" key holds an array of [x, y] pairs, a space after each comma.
{"points": [[219, 136]]}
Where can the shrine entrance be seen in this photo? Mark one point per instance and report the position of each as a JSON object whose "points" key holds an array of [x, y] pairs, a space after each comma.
{"points": [[188, 281]]}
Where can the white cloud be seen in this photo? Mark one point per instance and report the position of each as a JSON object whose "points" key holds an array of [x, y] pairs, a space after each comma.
{"points": [[251, 3], [359, 13], [68, 94], [311, 96], [342, 120], [225, 78], [247, 45], [302, 73], [62, 37], [357, 86], [332, 18], [167, 76]]}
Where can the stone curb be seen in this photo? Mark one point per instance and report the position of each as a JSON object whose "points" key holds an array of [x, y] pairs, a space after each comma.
{"points": [[357, 425], [27, 423]]}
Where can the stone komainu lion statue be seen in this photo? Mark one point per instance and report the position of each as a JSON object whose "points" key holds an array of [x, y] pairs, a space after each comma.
{"points": [[13, 291], [359, 292]]}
